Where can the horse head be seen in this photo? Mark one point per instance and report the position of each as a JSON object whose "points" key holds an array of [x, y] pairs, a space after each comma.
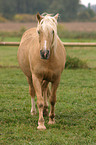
{"points": [[47, 34]]}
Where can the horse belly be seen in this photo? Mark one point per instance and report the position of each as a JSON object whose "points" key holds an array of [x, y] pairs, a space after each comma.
{"points": [[24, 61]]}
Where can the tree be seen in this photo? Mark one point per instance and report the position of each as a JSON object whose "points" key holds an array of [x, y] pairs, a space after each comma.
{"points": [[66, 8]]}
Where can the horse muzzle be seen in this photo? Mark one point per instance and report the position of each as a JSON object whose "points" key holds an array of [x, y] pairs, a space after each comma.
{"points": [[44, 54]]}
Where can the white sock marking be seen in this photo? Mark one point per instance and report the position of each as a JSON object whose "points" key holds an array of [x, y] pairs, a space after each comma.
{"points": [[33, 109]]}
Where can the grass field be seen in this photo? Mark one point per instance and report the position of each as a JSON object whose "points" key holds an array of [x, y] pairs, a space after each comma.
{"points": [[9, 57], [17, 39], [75, 111]]}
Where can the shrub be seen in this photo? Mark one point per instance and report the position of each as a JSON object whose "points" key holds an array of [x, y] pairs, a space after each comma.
{"points": [[83, 16], [86, 15], [74, 63], [24, 18], [22, 30], [93, 19], [2, 19], [61, 29]]}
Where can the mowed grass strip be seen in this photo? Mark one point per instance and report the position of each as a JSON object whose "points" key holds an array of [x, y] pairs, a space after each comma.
{"points": [[75, 110], [8, 56]]}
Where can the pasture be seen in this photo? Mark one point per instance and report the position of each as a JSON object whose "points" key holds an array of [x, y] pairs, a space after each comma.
{"points": [[75, 108]]}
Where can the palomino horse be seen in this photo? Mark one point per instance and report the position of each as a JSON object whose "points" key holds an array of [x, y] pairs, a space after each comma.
{"points": [[42, 57]]}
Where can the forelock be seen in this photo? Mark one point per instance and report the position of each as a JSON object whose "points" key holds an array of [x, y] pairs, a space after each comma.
{"points": [[48, 21]]}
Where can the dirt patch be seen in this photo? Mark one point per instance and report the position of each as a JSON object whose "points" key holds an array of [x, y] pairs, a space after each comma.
{"points": [[15, 26], [80, 26], [70, 26]]}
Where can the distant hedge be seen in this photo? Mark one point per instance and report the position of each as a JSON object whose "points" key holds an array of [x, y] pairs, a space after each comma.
{"points": [[2, 19], [24, 18]]}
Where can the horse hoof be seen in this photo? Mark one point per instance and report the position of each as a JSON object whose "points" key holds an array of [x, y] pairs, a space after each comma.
{"points": [[41, 127], [51, 121]]}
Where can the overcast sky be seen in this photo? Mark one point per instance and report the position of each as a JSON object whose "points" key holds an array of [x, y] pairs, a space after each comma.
{"points": [[85, 2]]}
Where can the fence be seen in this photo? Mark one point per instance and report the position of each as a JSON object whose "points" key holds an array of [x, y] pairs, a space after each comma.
{"points": [[66, 44]]}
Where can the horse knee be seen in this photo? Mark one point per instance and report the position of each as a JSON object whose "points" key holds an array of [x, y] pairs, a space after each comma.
{"points": [[40, 103]]}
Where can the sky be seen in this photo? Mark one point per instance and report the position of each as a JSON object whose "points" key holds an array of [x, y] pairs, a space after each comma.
{"points": [[85, 2]]}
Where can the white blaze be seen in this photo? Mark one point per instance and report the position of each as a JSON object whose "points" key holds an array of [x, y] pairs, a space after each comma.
{"points": [[45, 44]]}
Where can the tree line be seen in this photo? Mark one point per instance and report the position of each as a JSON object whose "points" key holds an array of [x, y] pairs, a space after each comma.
{"points": [[66, 8]]}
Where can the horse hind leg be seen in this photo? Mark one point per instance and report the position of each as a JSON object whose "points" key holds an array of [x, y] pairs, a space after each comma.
{"points": [[52, 100], [32, 94]]}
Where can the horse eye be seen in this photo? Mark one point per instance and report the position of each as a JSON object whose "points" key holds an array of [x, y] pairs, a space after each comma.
{"points": [[38, 32], [53, 32]]}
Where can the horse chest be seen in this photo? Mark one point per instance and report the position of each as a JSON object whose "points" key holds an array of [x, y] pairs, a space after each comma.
{"points": [[47, 74]]}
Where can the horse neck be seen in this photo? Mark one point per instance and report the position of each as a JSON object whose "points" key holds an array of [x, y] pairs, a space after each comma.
{"points": [[53, 51], [54, 45]]}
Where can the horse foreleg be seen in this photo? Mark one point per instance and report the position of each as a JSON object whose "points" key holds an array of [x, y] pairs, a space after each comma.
{"points": [[32, 94], [45, 93], [52, 100], [40, 101]]}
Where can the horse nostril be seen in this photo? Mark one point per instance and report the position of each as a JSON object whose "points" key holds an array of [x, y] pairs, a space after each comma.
{"points": [[44, 54], [47, 53]]}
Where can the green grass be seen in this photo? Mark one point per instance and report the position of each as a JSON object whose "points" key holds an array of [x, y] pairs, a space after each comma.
{"points": [[10, 39], [78, 40], [8, 56], [75, 110], [17, 39], [85, 54]]}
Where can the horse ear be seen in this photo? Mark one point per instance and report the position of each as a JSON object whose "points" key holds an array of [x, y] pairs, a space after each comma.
{"points": [[39, 17], [56, 16]]}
